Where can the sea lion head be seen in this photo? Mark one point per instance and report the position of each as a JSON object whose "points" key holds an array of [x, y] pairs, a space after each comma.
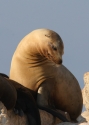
{"points": [[46, 43], [56, 48], [53, 46]]}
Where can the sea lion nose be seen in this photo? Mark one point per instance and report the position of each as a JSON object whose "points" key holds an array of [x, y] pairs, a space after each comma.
{"points": [[60, 61]]}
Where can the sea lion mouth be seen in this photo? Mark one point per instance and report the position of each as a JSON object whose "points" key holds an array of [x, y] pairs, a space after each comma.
{"points": [[59, 62]]}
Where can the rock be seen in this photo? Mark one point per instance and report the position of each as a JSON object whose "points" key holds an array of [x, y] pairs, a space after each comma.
{"points": [[81, 121], [85, 91], [67, 123], [9, 118], [85, 114]]}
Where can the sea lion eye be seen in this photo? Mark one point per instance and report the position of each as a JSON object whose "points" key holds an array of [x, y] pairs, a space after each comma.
{"points": [[54, 48]]}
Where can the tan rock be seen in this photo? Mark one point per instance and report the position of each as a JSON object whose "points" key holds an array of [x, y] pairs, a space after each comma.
{"points": [[9, 118], [67, 123], [85, 114], [85, 91]]}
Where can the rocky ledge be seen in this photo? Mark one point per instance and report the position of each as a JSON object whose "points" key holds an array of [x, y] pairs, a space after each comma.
{"points": [[9, 117]]}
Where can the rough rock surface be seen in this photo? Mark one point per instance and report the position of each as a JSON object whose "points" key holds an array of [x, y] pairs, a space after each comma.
{"points": [[9, 118], [85, 91]]}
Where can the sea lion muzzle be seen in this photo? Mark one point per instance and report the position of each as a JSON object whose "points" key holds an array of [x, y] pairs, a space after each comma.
{"points": [[60, 61]]}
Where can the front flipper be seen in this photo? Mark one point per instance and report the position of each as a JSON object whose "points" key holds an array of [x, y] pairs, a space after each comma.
{"points": [[55, 113], [27, 104], [18, 111]]}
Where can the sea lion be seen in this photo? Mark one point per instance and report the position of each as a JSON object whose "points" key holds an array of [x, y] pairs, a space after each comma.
{"points": [[36, 60], [8, 94], [27, 104], [16, 97]]}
